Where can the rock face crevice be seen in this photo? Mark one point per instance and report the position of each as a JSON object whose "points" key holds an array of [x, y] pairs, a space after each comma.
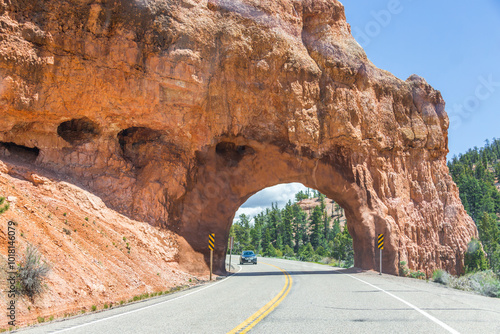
{"points": [[177, 111], [78, 131]]}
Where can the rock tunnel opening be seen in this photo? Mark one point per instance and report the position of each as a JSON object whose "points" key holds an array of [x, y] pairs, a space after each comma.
{"points": [[294, 222], [227, 175]]}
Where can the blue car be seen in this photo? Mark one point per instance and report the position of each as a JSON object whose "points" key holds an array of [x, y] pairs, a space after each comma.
{"points": [[248, 257]]}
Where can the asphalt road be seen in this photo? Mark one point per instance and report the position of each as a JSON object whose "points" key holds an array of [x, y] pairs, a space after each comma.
{"points": [[294, 297]]}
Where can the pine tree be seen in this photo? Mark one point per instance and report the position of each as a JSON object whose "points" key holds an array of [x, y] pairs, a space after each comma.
{"points": [[266, 240], [315, 224], [335, 229], [474, 257], [475, 174], [288, 251], [274, 223], [287, 217], [326, 226], [242, 232], [270, 250], [306, 252], [497, 171], [342, 249], [279, 242], [299, 226], [301, 195], [489, 233], [255, 240]]}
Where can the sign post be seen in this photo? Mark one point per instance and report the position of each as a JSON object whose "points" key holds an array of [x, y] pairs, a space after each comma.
{"points": [[211, 245], [381, 247], [231, 243]]}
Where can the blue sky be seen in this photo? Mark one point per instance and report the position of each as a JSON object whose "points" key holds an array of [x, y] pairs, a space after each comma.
{"points": [[454, 45]]}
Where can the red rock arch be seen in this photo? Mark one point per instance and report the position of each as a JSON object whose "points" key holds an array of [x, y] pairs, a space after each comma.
{"points": [[230, 172], [226, 177], [174, 112]]}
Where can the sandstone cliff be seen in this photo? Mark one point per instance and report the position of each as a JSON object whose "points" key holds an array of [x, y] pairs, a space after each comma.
{"points": [[176, 111]]}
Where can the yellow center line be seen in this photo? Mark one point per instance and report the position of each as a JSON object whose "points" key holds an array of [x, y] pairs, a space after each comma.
{"points": [[255, 318]]}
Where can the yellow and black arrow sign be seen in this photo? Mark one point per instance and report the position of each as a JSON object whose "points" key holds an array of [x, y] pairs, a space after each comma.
{"points": [[211, 241], [380, 241]]}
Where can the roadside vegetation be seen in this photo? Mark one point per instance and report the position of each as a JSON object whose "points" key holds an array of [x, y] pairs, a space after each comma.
{"points": [[30, 274], [293, 234], [477, 175], [486, 283], [3, 206]]}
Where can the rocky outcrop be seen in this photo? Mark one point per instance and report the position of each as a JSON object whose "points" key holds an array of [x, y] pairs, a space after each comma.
{"points": [[176, 111]]}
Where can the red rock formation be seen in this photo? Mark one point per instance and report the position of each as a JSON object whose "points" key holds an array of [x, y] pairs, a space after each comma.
{"points": [[175, 112]]}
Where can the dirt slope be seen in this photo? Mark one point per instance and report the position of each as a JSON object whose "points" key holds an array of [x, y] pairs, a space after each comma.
{"points": [[97, 255]]}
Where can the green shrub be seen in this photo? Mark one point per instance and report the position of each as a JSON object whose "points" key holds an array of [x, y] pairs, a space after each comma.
{"points": [[271, 251], [321, 251], [403, 269], [316, 258], [441, 276], [288, 252], [474, 257], [306, 252], [417, 274], [93, 308], [3, 207], [486, 283], [106, 305], [31, 273]]}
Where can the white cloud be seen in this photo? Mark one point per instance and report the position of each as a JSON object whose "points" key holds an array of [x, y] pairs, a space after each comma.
{"points": [[280, 194]]}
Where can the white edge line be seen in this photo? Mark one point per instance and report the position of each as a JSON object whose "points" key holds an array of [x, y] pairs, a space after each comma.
{"points": [[146, 307], [437, 321]]}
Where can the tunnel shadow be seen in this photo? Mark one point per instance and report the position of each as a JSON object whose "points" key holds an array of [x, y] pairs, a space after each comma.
{"points": [[332, 271]]}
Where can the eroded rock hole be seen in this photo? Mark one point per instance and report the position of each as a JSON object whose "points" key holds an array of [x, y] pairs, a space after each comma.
{"points": [[139, 145], [232, 153], [78, 131], [28, 154]]}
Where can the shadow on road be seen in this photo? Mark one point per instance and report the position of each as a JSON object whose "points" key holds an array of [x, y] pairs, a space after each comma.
{"points": [[302, 272]]}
